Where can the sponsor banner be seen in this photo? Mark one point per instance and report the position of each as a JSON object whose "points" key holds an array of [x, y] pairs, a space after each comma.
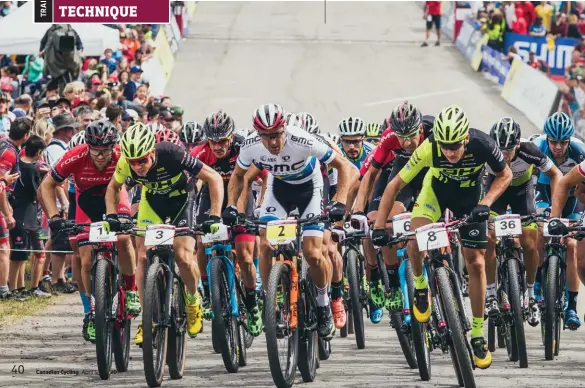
{"points": [[531, 92], [477, 54], [448, 18], [495, 64], [557, 56], [164, 54], [102, 11], [462, 41]]}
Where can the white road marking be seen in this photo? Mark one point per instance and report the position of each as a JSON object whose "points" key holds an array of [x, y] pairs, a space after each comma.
{"points": [[416, 97]]}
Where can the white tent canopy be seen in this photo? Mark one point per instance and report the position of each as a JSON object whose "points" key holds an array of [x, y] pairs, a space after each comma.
{"points": [[20, 36]]}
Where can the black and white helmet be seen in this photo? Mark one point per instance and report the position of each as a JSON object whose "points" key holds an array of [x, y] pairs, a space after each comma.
{"points": [[268, 117], [333, 137], [310, 123], [77, 139], [352, 126], [294, 120], [244, 132], [506, 133], [191, 132]]}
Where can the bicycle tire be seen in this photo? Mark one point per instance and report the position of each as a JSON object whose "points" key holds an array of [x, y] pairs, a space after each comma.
{"points": [[419, 332], [214, 342], [517, 334], [491, 335], [551, 317], [177, 343], [382, 269], [458, 347], [324, 349], [352, 259], [154, 309], [104, 324], [224, 323], [343, 330], [121, 345], [404, 340], [242, 331], [279, 271], [308, 347]]}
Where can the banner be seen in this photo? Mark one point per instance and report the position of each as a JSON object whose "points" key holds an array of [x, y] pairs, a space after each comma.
{"points": [[448, 18], [462, 41], [557, 58], [531, 92], [495, 64], [477, 54]]}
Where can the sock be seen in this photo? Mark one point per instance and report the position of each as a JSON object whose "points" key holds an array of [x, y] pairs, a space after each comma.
{"points": [[85, 302], [257, 263], [573, 301], [336, 290], [530, 290], [491, 290], [420, 282], [250, 300], [477, 327], [4, 290], [129, 282], [393, 276], [374, 273], [322, 297]]}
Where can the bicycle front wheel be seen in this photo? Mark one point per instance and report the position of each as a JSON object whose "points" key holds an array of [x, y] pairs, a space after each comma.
{"points": [[419, 332], [352, 262], [551, 317], [458, 347], [177, 344], [517, 350], [104, 322], [277, 315], [154, 345]]}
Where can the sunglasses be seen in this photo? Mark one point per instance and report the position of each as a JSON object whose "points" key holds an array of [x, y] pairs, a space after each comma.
{"points": [[220, 141], [407, 136], [271, 136], [139, 162], [352, 142], [558, 142], [100, 151], [450, 146]]}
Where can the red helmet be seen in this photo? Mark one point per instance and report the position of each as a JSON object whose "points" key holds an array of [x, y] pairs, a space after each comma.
{"points": [[167, 135], [269, 116]]}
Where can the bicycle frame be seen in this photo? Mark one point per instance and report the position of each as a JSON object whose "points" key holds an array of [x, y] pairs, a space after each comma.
{"points": [[223, 252]]}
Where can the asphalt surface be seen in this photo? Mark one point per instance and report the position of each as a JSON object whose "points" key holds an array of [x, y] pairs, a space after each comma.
{"points": [[365, 60]]}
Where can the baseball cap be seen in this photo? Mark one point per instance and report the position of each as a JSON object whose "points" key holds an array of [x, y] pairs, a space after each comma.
{"points": [[79, 101], [19, 113], [177, 111], [136, 69]]}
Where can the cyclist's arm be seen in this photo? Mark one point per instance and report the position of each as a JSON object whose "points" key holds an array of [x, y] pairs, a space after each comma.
{"points": [[249, 178], [501, 170], [48, 191], [235, 185], [365, 188], [579, 192], [560, 195], [347, 175], [120, 176], [555, 176], [215, 184], [52, 187], [352, 195]]}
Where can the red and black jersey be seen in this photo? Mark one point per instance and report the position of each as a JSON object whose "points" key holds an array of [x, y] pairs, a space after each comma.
{"points": [[9, 159], [224, 166]]}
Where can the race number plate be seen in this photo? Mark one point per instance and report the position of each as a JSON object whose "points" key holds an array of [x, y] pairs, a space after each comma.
{"points": [[98, 234], [432, 236], [221, 235], [159, 235], [508, 225], [401, 223], [281, 231], [545, 227]]}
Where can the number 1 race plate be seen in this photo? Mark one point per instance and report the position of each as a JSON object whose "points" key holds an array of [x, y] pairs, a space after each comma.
{"points": [[281, 231], [159, 235], [432, 236], [220, 235], [545, 227], [401, 223], [98, 234], [508, 225]]}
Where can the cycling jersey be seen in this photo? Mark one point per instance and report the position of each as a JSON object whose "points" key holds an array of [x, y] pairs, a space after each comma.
{"points": [[297, 162], [390, 148], [224, 166], [364, 152], [9, 163], [575, 155]]}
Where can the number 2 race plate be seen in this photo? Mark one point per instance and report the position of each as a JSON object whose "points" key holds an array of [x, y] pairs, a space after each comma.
{"points": [[432, 236], [159, 235], [281, 231], [508, 225]]}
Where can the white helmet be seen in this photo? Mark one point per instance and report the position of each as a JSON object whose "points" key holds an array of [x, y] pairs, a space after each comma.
{"points": [[310, 123], [244, 132], [333, 136], [294, 120], [77, 139], [155, 126], [352, 126]]}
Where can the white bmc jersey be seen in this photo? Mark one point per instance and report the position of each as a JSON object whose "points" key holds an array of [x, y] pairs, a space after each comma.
{"points": [[297, 163]]}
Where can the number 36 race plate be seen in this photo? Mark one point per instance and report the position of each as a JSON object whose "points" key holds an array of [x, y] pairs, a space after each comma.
{"points": [[432, 236], [281, 231], [508, 225]]}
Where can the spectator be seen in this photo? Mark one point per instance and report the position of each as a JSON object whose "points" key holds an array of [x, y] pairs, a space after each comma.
{"points": [[24, 102], [43, 129], [537, 28], [432, 14], [74, 90], [109, 61], [520, 26], [545, 11], [510, 13], [114, 115], [6, 8], [84, 116], [166, 102], [42, 110], [513, 54], [138, 58], [123, 79], [141, 95], [5, 101], [134, 83], [5, 61], [537, 63], [579, 51], [495, 28], [62, 105], [62, 49], [529, 12], [166, 118], [560, 27], [573, 29]]}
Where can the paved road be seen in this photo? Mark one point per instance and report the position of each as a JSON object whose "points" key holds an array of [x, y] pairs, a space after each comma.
{"points": [[364, 61]]}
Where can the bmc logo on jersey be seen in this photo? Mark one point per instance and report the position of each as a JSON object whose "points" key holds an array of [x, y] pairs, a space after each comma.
{"points": [[251, 140], [281, 168], [301, 140]]}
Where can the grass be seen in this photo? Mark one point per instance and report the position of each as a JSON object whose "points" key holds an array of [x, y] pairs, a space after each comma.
{"points": [[12, 311]]}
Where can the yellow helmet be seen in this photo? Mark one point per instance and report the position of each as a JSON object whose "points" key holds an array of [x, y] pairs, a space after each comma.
{"points": [[451, 125], [137, 141], [373, 130]]}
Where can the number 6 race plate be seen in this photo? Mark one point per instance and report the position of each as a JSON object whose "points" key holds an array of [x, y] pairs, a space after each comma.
{"points": [[432, 236], [545, 227], [159, 235], [401, 223], [508, 225], [281, 231], [98, 234]]}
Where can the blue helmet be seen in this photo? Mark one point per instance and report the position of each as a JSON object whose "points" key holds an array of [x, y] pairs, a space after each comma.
{"points": [[559, 126]]}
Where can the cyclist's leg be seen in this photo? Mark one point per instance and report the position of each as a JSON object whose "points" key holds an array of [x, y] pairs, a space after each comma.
{"points": [[572, 211], [203, 208]]}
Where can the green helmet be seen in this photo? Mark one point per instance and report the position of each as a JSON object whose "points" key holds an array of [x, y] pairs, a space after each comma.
{"points": [[137, 141], [373, 130], [451, 125]]}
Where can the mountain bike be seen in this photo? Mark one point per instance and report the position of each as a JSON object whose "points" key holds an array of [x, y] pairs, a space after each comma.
{"points": [[164, 318], [449, 312], [356, 294], [511, 287], [112, 322], [290, 308], [227, 296]]}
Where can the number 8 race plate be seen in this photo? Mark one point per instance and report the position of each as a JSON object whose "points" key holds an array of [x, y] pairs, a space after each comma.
{"points": [[508, 225], [432, 236]]}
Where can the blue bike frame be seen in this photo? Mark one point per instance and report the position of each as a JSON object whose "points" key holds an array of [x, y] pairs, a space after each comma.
{"points": [[401, 253], [223, 252]]}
